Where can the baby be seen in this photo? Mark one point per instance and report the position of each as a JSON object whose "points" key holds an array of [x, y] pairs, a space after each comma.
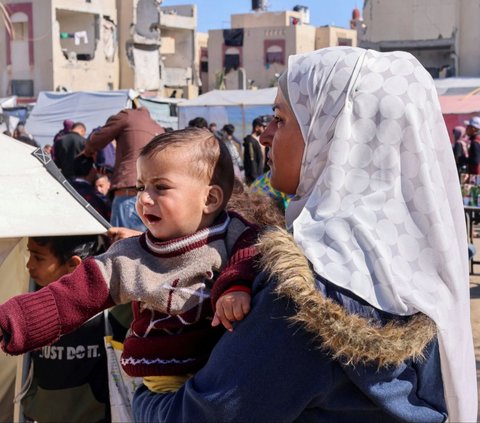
{"points": [[194, 258]]}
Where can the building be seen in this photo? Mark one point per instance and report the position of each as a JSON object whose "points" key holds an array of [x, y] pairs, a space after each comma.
{"points": [[159, 51], [58, 45], [254, 51], [442, 34]]}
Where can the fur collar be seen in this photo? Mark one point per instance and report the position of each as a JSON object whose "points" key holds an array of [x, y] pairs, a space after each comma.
{"points": [[348, 337]]}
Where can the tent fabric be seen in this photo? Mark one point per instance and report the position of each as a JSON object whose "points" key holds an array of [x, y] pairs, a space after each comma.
{"points": [[264, 96], [36, 201], [89, 107], [457, 109], [238, 107]]}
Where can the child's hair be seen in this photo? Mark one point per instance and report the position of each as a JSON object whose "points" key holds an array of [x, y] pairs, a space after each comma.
{"points": [[82, 165], [65, 247], [210, 157]]}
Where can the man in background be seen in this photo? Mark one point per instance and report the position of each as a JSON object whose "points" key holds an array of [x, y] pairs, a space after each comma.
{"points": [[132, 129]]}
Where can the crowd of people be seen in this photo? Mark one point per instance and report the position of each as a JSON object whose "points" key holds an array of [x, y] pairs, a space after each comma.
{"points": [[315, 271]]}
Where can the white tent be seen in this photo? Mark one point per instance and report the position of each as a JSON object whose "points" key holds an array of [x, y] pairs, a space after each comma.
{"points": [[92, 108], [36, 201], [238, 107]]}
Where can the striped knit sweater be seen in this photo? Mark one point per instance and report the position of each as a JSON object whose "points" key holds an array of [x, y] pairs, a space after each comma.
{"points": [[173, 286]]}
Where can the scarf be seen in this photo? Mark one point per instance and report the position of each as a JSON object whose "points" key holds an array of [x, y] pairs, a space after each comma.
{"points": [[378, 210]]}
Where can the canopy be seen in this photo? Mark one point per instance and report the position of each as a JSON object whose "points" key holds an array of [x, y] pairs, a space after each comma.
{"points": [[457, 109], [238, 107]]}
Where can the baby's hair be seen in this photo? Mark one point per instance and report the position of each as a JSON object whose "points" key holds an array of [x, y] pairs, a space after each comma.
{"points": [[65, 247], [209, 157]]}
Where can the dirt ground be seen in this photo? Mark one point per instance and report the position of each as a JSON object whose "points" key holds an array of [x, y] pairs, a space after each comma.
{"points": [[475, 310]]}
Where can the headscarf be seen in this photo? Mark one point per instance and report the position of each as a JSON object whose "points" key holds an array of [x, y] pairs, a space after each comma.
{"points": [[378, 209], [68, 125], [458, 132], [459, 136]]}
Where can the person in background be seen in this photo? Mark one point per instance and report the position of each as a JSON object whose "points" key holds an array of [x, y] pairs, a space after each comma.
{"points": [[69, 147], [68, 379], [366, 300], [212, 127], [85, 174], [67, 127], [102, 183], [132, 129], [472, 132], [253, 156], [198, 122], [21, 134], [227, 138], [47, 148]]}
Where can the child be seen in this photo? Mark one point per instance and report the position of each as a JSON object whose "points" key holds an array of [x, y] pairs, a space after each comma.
{"points": [[184, 181], [69, 378]]}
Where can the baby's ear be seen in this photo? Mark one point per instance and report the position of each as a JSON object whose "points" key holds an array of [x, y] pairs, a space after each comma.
{"points": [[73, 262], [214, 199]]}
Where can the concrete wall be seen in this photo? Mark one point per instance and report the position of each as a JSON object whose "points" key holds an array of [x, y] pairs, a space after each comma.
{"points": [[264, 19], [333, 36], [49, 68], [297, 39], [100, 73], [468, 14], [38, 67], [390, 20], [125, 18], [409, 19]]}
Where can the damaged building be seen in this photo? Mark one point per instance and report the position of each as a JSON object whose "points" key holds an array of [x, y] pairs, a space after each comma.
{"points": [[441, 34], [58, 45], [159, 50]]}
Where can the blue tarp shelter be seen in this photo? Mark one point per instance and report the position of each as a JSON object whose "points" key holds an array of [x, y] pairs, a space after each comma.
{"points": [[238, 107]]}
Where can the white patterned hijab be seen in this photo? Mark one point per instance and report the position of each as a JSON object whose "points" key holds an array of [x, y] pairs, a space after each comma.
{"points": [[378, 209]]}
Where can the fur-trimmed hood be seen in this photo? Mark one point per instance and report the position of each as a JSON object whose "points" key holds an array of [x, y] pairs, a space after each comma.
{"points": [[349, 337]]}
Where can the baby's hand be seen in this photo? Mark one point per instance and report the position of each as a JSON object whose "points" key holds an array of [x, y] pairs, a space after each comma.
{"points": [[231, 307]]}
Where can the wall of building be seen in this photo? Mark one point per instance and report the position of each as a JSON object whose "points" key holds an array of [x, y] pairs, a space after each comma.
{"points": [[257, 42], [468, 13], [39, 58], [265, 19], [91, 63], [125, 19], [202, 57], [409, 19], [28, 59], [334, 36], [419, 20]]}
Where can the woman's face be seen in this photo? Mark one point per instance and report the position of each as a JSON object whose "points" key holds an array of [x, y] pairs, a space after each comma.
{"points": [[286, 146]]}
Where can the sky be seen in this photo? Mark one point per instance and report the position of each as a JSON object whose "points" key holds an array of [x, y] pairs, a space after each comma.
{"points": [[215, 14]]}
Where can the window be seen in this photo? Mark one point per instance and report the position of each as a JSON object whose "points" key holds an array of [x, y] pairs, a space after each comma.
{"points": [[232, 59], [344, 41], [20, 26], [274, 52]]}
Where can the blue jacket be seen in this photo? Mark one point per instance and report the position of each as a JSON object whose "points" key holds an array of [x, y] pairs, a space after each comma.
{"points": [[308, 352]]}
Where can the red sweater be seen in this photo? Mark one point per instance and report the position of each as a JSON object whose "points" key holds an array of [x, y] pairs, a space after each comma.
{"points": [[172, 285]]}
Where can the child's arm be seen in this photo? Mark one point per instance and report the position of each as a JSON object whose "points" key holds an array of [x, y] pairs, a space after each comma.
{"points": [[231, 291], [36, 319], [231, 306]]}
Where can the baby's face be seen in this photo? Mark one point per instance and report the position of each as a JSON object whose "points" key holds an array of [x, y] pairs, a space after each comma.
{"points": [[170, 200]]}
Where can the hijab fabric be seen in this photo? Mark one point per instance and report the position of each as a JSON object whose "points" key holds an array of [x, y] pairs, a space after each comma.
{"points": [[378, 209]]}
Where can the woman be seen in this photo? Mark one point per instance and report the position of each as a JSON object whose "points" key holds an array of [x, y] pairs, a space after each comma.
{"points": [[363, 315], [461, 145]]}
